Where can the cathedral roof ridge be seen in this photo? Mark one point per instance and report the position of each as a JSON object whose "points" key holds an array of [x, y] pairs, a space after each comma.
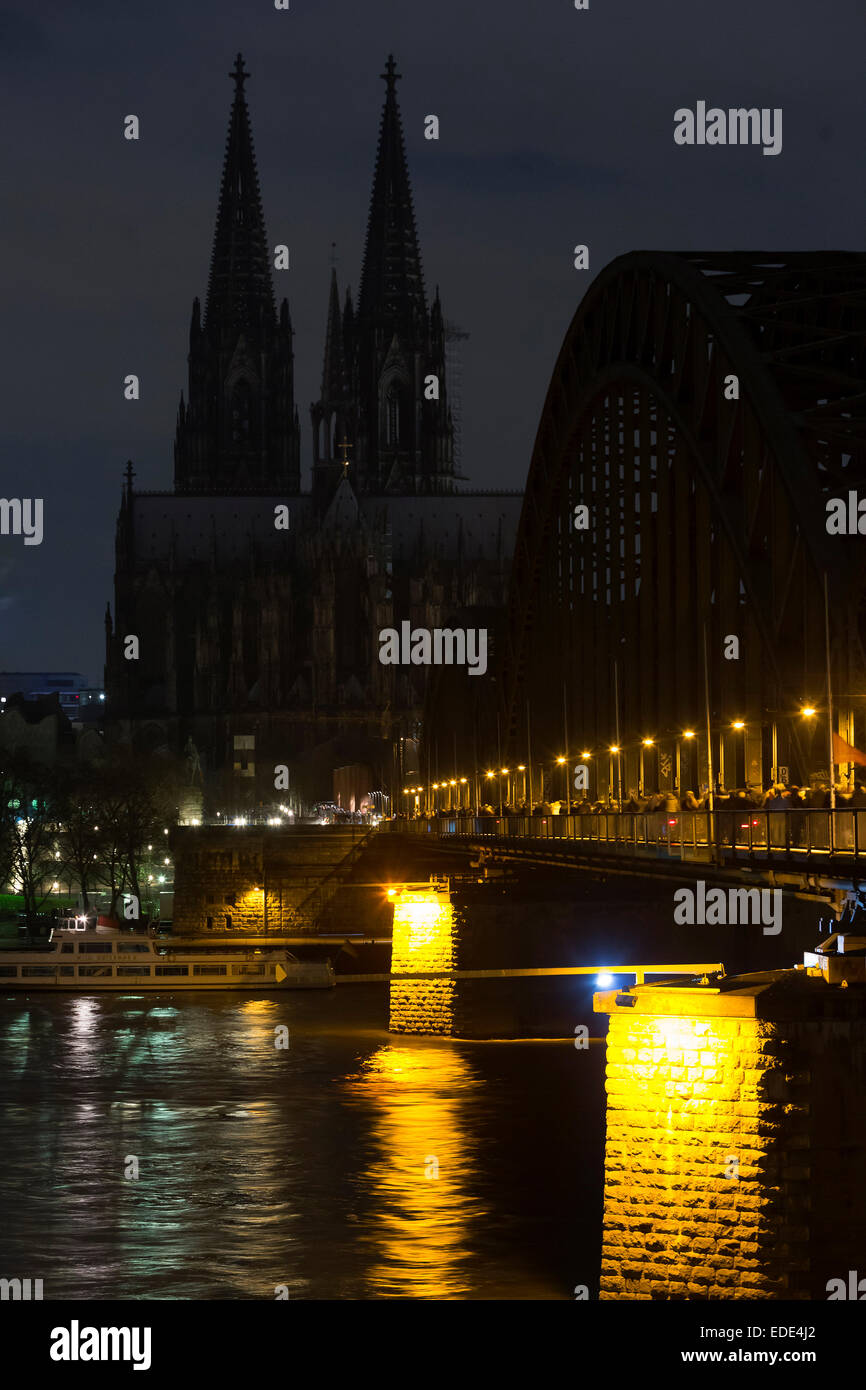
{"points": [[186, 493]]}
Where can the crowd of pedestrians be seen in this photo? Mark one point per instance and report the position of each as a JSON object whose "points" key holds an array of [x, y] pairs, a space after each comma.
{"points": [[776, 798]]}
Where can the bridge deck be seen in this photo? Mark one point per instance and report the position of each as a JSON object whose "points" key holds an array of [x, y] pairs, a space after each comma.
{"points": [[830, 843]]}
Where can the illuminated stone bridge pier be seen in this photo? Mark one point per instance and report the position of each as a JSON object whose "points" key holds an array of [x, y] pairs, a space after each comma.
{"points": [[735, 1121], [439, 986]]}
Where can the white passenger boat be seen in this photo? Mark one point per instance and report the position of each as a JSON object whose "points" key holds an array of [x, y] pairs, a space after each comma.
{"points": [[104, 958]]}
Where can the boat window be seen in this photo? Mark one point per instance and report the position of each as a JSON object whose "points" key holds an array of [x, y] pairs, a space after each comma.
{"points": [[137, 947], [94, 948], [7, 970], [37, 970], [67, 947], [133, 970], [67, 969], [248, 969], [234, 948], [209, 970], [94, 970], [172, 969]]}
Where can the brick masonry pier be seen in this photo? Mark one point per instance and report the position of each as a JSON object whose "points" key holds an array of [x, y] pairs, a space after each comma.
{"points": [[736, 1127], [425, 938], [242, 879]]}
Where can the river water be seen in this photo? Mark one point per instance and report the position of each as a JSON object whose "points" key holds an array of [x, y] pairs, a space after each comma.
{"points": [[349, 1164]]}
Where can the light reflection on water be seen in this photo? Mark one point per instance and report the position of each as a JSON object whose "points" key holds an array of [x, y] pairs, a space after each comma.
{"points": [[424, 1169], [352, 1165]]}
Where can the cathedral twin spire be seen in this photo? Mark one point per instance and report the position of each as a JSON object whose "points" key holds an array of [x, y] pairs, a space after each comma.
{"points": [[239, 430], [404, 439], [391, 296], [239, 287]]}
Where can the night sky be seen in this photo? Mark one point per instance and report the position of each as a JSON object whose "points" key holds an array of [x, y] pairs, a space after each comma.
{"points": [[556, 128]]}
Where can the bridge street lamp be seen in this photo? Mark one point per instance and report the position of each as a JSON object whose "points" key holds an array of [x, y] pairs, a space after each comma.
{"points": [[505, 772], [687, 733], [808, 712], [521, 767], [614, 752], [587, 791], [563, 763], [645, 743], [739, 726]]}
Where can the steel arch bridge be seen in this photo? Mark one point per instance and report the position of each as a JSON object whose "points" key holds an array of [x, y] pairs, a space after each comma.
{"points": [[705, 519]]}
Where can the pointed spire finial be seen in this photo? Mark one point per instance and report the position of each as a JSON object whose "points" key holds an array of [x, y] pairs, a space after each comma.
{"points": [[391, 76], [240, 289], [130, 474], [238, 73], [392, 282], [333, 256]]}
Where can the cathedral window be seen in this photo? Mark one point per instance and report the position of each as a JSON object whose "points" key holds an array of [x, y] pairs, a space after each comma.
{"points": [[392, 417], [241, 413]]}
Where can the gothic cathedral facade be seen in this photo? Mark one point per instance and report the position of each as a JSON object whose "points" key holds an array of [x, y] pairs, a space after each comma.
{"points": [[257, 604]]}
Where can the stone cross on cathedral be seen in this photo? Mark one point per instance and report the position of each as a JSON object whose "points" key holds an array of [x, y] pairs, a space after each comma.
{"points": [[391, 76], [239, 73]]}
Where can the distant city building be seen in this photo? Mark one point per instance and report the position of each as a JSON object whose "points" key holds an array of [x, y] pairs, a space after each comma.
{"points": [[71, 688], [257, 607], [41, 729]]}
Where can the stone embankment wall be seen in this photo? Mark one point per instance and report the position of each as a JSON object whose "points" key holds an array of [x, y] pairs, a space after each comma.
{"points": [[223, 875]]}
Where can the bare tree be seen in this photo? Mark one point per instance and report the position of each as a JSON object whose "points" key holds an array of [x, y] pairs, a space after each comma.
{"points": [[31, 812], [78, 840]]}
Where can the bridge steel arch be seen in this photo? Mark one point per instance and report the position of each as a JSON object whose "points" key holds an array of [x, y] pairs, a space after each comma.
{"points": [[704, 513]]}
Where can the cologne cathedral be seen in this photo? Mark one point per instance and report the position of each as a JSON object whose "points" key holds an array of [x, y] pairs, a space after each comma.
{"points": [[258, 605]]}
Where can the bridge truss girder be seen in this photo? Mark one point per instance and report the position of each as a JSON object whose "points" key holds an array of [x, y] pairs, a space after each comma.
{"points": [[705, 512]]}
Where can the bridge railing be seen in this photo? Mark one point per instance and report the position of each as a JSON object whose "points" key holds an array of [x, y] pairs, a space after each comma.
{"points": [[699, 835]]}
